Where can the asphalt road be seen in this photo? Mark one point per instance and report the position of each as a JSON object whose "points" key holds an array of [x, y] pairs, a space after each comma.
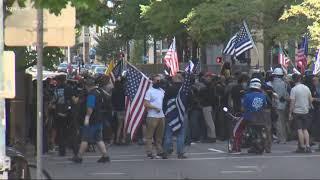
{"points": [[205, 161]]}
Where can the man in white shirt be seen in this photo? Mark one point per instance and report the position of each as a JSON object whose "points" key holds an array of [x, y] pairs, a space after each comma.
{"points": [[301, 103], [153, 101]]}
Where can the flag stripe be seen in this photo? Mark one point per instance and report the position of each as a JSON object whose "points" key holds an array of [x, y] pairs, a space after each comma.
{"points": [[171, 59]]}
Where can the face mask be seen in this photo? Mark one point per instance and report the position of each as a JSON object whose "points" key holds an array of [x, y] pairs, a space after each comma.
{"points": [[156, 85]]}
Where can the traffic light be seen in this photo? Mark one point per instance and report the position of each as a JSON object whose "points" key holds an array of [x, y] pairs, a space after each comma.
{"points": [[219, 60]]}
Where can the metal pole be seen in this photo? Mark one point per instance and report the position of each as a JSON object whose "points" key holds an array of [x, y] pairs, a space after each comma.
{"points": [[83, 45], [2, 101], [271, 58], [69, 55], [39, 91]]}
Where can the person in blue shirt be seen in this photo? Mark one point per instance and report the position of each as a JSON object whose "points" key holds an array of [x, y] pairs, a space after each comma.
{"points": [[92, 124], [255, 100]]}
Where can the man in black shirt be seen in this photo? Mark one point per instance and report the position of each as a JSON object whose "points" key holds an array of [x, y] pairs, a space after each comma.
{"points": [[118, 105]]}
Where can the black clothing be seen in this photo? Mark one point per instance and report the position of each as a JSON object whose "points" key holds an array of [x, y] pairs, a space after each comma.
{"points": [[118, 98]]}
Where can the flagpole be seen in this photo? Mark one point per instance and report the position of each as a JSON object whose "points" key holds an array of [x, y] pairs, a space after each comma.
{"points": [[254, 45]]}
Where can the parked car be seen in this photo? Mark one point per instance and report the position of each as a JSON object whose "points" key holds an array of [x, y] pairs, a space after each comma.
{"points": [[93, 67], [62, 67], [99, 70]]}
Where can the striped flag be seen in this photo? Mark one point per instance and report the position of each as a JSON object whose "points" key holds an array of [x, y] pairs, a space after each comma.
{"points": [[176, 107], [302, 54], [283, 60], [136, 88], [316, 68], [171, 59], [193, 66], [239, 43], [116, 72]]}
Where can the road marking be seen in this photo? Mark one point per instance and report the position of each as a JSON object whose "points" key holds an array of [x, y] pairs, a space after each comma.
{"points": [[232, 172], [202, 159], [246, 167], [121, 155], [216, 150], [105, 173]]}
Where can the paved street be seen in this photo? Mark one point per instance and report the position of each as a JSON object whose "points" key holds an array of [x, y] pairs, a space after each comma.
{"points": [[205, 161]]}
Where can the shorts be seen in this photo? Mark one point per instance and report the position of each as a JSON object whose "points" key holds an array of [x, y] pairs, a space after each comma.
{"points": [[302, 121], [92, 133]]}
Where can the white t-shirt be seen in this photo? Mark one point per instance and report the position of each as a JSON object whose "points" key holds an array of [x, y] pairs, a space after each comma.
{"points": [[155, 98], [300, 93]]}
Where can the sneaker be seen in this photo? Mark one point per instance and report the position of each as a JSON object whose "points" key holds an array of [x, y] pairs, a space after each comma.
{"points": [[76, 159], [300, 150], [182, 156], [150, 156], [104, 159], [308, 150], [162, 156]]}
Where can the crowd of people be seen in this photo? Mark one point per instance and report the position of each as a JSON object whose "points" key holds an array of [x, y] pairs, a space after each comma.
{"points": [[89, 110]]}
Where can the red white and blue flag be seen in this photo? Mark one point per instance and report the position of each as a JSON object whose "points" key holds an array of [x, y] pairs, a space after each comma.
{"points": [[171, 59], [316, 68], [302, 54], [136, 88]]}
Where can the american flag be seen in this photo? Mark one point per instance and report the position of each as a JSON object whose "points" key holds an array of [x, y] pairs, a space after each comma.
{"points": [[193, 66], [316, 67], [176, 107], [136, 88], [301, 56], [116, 72], [283, 60], [171, 59], [239, 43]]}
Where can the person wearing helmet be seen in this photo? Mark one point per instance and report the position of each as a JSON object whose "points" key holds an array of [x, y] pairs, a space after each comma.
{"points": [[254, 103], [280, 87], [254, 100]]}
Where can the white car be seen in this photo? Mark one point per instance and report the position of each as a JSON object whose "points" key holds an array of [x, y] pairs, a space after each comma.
{"points": [[99, 70]]}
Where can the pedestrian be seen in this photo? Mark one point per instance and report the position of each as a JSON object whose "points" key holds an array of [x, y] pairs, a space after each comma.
{"points": [[153, 102], [118, 105], [62, 104], [206, 101], [170, 96], [301, 102], [280, 88], [93, 122]]}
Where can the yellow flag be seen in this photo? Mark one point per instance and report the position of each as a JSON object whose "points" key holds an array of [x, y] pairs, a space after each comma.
{"points": [[110, 67]]}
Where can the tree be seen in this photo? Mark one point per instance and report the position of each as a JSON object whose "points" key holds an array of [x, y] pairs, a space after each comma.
{"points": [[109, 46], [311, 10]]}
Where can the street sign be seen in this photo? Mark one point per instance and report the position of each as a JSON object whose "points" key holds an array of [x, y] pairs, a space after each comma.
{"points": [[7, 79], [20, 26]]}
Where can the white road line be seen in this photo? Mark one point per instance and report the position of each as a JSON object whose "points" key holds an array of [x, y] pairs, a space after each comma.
{"points": [[216, 150], [122, 155], [202, 159], [105, 173], [246, 167], [232, 172]]}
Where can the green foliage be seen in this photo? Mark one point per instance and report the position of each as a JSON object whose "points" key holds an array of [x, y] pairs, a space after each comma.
{"points": [[165, 16], [311, 10], [129, 23], [109, 46], [26, 58]]}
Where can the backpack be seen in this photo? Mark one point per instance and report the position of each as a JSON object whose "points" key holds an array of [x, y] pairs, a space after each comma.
{"points": [[102, 107]]}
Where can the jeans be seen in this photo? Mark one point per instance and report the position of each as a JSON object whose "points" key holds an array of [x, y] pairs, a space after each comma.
{"points": [[180, 134]]}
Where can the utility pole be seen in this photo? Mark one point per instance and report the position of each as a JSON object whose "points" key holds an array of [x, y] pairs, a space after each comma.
{"points": [[39, 91], [3, 157], [83, 45]]}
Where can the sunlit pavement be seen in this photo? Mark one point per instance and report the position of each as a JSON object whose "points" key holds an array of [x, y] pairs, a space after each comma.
{"points": [[204, 161]]}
